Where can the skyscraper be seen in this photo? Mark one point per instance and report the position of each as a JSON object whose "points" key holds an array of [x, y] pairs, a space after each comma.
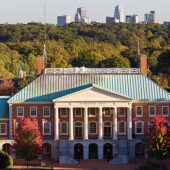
{"points": [[81, 16], [151, 17], [132, 19], [62, 20], [119, 13]]}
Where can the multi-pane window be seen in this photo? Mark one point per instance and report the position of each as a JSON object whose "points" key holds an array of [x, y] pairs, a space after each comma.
{"points": [[63, 112], [93, 128], [152, 110], [33, 112], [46, 111], [122, 127], [20, 111], [139, 127], [107, 112], [107, 129], [78, 112], [92, 112], [47, 128], [165, 110], [121, 112], [78, 130], [2, 128], [63, 128], [139, 111]]}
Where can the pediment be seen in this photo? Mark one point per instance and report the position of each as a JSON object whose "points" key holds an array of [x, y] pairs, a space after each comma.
{"points": [[92, 94]]}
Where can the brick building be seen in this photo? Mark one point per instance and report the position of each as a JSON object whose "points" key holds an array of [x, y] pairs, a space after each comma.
{"points": [[87, 113]]}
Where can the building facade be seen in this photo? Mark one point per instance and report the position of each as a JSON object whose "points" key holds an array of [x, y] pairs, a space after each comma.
{"points": [[62, 20], [119, 14], [151, 17], [132, 19], [87, 113]]}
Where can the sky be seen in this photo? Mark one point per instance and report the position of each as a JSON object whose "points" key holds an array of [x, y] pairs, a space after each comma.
{"points": [[24, 11]]}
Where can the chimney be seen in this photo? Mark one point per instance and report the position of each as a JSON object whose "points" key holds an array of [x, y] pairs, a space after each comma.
{"points": [[24, 74], [143, 64], [40, 65]]}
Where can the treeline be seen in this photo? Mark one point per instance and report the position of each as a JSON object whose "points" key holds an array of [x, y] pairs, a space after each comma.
{"points": [[76, 44]]}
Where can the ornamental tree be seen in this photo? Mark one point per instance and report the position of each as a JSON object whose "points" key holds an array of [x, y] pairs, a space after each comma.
{"points": [[28, 140], [158, 138]]}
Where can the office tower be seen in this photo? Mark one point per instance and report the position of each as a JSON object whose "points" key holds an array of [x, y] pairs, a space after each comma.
{"points": [[151, 17], [62, 20], [110, 20], [81, 16], [132, 19], [119, 13]]}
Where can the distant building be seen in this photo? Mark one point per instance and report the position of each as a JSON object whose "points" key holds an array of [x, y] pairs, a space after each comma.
{"points": [[151, 17], [119, 13], [166, 22], [62, 20], [110, 20], [81, 16], [132, 19]]}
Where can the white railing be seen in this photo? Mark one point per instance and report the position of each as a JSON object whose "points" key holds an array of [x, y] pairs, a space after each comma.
{"points": [[84, 70]]}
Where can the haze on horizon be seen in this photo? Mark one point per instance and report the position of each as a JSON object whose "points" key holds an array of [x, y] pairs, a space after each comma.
{"points": [[24, 11]]}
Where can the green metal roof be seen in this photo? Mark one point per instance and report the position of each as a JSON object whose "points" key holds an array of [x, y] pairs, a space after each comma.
{"points": [[4, 109], [50, 86]]}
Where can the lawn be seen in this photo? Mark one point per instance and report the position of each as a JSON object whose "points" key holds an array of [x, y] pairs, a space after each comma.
{"points": [[35, 167]]}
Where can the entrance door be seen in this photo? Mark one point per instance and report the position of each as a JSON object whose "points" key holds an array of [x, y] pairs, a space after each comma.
{"points": [[78, 151], [139, 150], [93, 151], [107, 151], [6, 148]]}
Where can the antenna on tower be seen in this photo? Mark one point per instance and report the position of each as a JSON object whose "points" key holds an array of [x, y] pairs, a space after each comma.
{"points": [[45, 38]]}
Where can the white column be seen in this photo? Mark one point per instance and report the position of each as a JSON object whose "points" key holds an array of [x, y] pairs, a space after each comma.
{"points": [[115, 124], [71, 137], [85, 123], [56, 129], [129, 119], [10, 121], [100, 124]]}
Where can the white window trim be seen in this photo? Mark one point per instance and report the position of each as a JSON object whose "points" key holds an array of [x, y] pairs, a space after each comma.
{"points": [[61, 128], [66, 112], [96, 128], [149, 111], [124, 112], [168, 111], [30, 111], [43, 111], [49, 127], [81, 112], [17, 111], [75, 127], [95, 112], [107, 126], [141, 110], [104, 112], [5, 129], [136, 127], [120, 133]]}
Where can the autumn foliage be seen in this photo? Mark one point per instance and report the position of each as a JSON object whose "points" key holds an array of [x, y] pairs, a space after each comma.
{"points": [[7, 87], [28, 139], [158, 138]]}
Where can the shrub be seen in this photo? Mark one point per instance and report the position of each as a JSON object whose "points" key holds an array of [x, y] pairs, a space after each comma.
{"points": [[6, 160]]}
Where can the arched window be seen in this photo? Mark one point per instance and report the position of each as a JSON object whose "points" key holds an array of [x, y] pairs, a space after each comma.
{"points": [[107, 129], [46, 128], [78, 130], [139, 126]]}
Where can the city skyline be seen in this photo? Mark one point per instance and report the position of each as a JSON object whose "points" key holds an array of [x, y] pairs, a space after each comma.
{"points": [[19, 10]]}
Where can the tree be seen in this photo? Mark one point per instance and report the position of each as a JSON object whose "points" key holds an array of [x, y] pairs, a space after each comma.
{"points": [[7, 87], [28, 140], [6, 160], [158, 139]]}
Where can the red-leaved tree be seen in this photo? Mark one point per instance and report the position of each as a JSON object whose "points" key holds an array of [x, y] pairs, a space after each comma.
{"points": [[158, 138], [28, 140]]}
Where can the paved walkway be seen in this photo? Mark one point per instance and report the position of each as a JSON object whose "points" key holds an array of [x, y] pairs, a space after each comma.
{"points": [[89, 165]]}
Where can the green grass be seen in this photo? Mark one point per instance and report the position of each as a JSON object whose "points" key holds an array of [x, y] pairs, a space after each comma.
{"points": [[153, 167], [35, 167]]}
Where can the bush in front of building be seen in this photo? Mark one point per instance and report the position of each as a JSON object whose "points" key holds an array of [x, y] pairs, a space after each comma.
{"points": [[6, 160]]}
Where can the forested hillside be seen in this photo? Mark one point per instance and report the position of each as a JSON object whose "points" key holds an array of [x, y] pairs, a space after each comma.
{"points": [[73, 45]]}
